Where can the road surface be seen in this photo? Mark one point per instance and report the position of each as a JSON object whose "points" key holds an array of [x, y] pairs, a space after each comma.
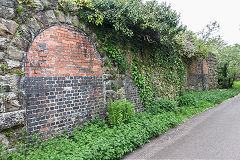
{"points": [[213, 134]]}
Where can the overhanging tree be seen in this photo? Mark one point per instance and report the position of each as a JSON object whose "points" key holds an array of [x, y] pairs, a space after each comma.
{"points": [[228, 65]]}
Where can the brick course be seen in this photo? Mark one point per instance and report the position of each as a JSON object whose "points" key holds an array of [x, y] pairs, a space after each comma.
{"points": [[63, 82], [58, 103], [62, 51], [201, 73]]}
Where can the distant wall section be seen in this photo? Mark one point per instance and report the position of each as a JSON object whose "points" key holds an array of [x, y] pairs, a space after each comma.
{"points": [[202, 73]]}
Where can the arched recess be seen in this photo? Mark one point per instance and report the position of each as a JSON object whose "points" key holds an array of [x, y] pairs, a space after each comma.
{"points": [[63, 81]]}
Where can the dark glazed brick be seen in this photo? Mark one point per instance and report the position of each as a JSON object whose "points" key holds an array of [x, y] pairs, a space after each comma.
{"points": [[54, 108]]}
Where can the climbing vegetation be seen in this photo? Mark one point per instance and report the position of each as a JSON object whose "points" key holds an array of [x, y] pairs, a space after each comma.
{"points": [[29, 3], [151, 33]]}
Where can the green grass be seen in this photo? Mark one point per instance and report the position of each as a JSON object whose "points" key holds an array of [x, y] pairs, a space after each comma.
{"points": [[99, 141]]}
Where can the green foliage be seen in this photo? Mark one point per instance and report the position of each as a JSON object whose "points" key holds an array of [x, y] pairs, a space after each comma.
{"points": [[236, 84], [149, 22], [46, 5], [9, 132], [149, 31], [118, 56], [120, 111], [213, 97], [130, 17], [4, 68], [163, 105], [20, 9], [115, 87], [187, 100], [97, 141], [191, 45], [228, 57], [29, 3], [228, 62], [20, 72], [143, 82]]}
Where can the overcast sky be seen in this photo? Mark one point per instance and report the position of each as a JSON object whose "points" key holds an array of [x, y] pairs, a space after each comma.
{"points": [[196, 14]]}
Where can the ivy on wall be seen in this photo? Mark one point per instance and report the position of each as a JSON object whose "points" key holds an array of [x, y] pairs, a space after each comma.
{"points": [[143, 82], [151, 32]]}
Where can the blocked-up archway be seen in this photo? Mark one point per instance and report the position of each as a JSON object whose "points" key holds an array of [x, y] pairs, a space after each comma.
{"points": [[63, 82]]}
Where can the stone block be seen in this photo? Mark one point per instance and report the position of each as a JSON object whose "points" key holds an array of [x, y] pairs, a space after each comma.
{"points": [[51, 18], [11, 96], [107, 77], [20, 42], [13, 105], [14, 53], [3, 30], [108, 85], [3, 43], [13, 64], [42, 19], [7, 13], [4, 140], [60, 16], [34, 25], [2, 55], [110, 94], [10, 82], [69, 19], [11, 119], [75, 21], [38, 3], [7, 27], [7, 3], [26, 32], [51, 3], [121, 93], [114, 84], [2, 108]]}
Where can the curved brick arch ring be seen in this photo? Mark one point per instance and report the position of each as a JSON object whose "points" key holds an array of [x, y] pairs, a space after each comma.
{"points": [[63, 81]]}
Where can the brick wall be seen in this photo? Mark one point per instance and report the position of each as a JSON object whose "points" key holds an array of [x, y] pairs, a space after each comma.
{"points": [[201, 73], [61, 51], [64, 85], [63, 82]]}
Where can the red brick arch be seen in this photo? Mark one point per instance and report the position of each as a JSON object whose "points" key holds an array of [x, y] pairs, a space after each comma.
{"points": [[63, 82], [62, 51]]}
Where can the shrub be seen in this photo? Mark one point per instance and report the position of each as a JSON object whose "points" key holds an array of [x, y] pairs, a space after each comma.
{"points": [[97, 141], [236, 84], [187, 100], [161, 105], [120, 111]]}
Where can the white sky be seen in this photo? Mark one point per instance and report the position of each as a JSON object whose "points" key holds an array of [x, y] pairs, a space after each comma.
{"points": [[196, 14]]}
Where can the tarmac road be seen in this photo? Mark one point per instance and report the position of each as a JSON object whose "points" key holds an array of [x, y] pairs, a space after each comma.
{"points": [[213, 134]]}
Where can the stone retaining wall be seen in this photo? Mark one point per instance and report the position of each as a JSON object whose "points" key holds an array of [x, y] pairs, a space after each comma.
{"points": [[51, 71], [52, 75]]}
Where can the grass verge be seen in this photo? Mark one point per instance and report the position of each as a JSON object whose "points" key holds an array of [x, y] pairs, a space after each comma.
{"points": [[98, 141]]}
